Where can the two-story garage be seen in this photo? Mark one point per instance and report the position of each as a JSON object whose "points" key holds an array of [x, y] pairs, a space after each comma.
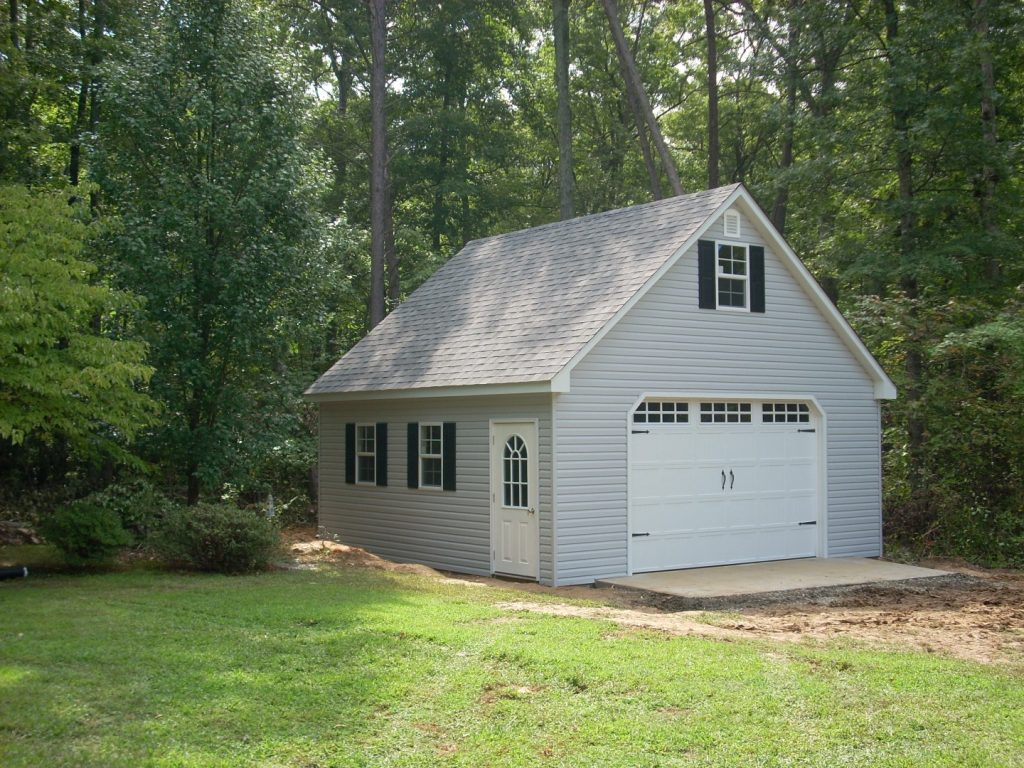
{"points": [[658, 387]]}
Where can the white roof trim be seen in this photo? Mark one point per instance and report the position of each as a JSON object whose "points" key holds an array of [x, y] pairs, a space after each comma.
{"points": [[884, 387], [467, 390]]}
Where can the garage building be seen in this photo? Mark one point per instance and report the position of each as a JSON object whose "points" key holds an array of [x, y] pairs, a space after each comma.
{"points": [[657, 387]]}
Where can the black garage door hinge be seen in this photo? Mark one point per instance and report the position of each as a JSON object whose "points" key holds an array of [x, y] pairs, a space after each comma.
{"points": [[807, 430], [641, 431], [808, 522], [640, 534]]}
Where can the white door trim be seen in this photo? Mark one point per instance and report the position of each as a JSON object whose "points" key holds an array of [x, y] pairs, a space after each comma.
{"points": [[822, 425], [495, 489]]}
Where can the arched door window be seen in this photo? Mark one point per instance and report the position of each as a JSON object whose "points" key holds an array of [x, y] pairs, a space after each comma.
{"points": [[514, 482]]}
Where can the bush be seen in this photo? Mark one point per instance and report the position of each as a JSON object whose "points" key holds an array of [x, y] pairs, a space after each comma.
{"points": [[85, 532], [218, 537], [137, 503]]}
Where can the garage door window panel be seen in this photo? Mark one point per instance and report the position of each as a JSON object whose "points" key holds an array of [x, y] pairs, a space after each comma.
{"points": [[725, 413], [661, 412]]}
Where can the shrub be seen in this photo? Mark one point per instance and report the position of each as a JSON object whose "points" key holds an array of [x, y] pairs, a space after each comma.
{"points": [[218, 537], [85, 532], [137, 503]]}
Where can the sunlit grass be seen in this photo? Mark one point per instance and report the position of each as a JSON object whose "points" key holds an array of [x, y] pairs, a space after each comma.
{"points": [[366, 668]]}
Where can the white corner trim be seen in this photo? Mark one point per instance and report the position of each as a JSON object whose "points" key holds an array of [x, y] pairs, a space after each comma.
{"points": [[884, 389]]}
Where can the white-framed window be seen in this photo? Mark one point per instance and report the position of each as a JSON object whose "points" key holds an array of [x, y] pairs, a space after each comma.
{"points": [[725, 413], [431, 456], [661, 412], [732, 284], [785, 413], [515, 483], [366, 453]]}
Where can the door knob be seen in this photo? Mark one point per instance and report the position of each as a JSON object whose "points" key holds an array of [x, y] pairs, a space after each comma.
{"points": [[531, 511]]}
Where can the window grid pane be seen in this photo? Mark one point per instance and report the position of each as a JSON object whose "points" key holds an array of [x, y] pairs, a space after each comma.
{"points": [[430, 456], [732, 276], [366, 458], [725, 413], [661, 412], [515, 487], [785, 413]]}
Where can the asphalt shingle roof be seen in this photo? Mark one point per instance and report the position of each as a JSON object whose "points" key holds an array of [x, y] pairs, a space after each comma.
{"points": [[516, 307]]}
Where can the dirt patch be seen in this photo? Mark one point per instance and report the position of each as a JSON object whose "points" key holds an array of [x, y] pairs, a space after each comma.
{"points": [[974, 613], [307, 550]]}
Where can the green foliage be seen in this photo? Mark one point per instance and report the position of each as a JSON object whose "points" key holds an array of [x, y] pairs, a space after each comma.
{"points": [[202, 160], [85, 532], [137, 503], [64, 372], [218, 537]]}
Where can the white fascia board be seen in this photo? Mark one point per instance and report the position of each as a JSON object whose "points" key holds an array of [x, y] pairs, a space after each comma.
{"points": [[884, 389], [470, 390]]}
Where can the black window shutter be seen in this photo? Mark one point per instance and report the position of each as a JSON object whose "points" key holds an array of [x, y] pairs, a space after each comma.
{"points": [[448, 456], [350, 453], [413, 455], [381, 459], [756, 278], [706, 274]]}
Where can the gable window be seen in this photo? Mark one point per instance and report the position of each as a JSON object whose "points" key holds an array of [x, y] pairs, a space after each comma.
{"points": [[725, 413], [366, 453], [431, 458], [732, 274], [661, 412]]}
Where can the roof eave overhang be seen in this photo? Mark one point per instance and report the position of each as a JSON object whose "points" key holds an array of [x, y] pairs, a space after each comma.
{"points": [[466, 390]]}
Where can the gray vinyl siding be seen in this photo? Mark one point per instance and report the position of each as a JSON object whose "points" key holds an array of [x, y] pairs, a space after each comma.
{"points": [[449, 530], [666, 344]]}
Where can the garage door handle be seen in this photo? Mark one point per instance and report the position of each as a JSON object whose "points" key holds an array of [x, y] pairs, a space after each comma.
{"points": [[723, 479], [732, 479]]}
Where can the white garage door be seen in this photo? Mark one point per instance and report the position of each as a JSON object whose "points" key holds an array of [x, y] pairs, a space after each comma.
{"points": [[713, 483]]}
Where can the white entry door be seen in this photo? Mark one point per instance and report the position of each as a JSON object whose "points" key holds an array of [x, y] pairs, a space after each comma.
{"points": [[723, 483], [515, 535]]}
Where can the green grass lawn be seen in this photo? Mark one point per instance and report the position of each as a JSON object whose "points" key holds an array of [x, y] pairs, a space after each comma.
{"points": [[367, 668]]}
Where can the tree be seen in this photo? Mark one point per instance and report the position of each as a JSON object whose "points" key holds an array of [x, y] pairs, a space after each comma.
{"points": [[639, 95], [712, 47], [567, 208], [201, 156], [64, 371], [381, 227]]}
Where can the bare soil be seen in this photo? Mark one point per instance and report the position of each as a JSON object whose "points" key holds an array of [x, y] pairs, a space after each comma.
{"points": [[975, 614]]}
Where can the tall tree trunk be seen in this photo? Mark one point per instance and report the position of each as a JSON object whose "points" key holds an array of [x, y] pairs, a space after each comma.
{"points": [[781, 202], [989, 175], [84, 68], [634, 84], [438, 218], [709, 25], [914, 361], [378, 159], [566, 191], [12, 8], [653, 176]]}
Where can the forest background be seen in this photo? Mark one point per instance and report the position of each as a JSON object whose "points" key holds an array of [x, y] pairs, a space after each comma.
{"points": [[204, 203]]}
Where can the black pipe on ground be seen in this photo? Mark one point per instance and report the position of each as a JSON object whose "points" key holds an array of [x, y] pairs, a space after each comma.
{"points": [[18, 572]]}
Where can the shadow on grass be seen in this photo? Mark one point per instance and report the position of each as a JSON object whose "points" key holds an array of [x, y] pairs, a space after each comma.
{"points": [[134, 669]]}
